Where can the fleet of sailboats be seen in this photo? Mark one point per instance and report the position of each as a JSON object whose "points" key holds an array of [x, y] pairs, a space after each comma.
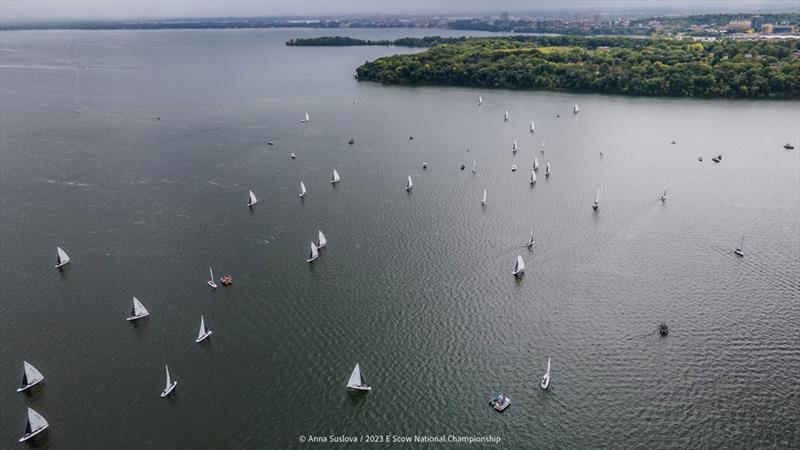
{"points": [[356, 381], [30, 376], [137, 310], [253, 200], [36, 424], [62, 257], [170, 386], [204, 333]]}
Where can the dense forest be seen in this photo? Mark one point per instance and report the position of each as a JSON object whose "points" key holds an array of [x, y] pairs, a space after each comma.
{"points": [[616, 65], [344, 41]]}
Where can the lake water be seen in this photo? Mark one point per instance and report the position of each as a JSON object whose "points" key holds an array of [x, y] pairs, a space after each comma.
{"points": [[417, 287]]}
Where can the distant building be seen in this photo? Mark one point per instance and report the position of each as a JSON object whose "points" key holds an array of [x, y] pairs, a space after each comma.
{"points": [[767, 28], [784, 29], [737, 26], [756, 22]]}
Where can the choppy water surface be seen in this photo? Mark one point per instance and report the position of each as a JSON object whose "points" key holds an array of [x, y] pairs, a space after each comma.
{"points": [[415, 287]]}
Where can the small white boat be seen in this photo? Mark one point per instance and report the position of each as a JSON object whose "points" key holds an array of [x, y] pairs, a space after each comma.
{"points": [[547, 170], [292, 155], [546, 377], [474, 166], [204, 333], [306, 119], [138, 310], [314, 254], [483, 201], [409, 184], [253, 199], [533, 177], [322, 242], [211, 280], [740, 251], [357, 381], [36, 424], [505, 116], [30, 376], [514, 146], [335, 178], [513, 167], [62, 257], [596, 203], [663, 197], [480, 100], [519, 267], [170, 384], [500, 402], [575, 109], [302, 189], [535, 163], [530, 242], [533, 127]]}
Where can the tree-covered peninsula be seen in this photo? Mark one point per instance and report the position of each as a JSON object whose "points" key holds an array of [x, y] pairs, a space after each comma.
{"points": [[344, 41], [629, 66]]}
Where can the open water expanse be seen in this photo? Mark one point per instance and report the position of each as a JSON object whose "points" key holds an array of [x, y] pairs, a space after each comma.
{"points": [[416, 287]]}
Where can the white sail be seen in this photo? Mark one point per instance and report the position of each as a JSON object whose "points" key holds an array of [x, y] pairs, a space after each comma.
{"points": [[253, 199], [535, 163], [211, 280], [138, 310], [170, 385], [306, 118], [409, 184], [313, 254], [533, 127], [302, 189], [480, 100], [520, 266], [514, 146], [335, 178], [356, 380], [474, 166], [322, 241], [63, 257], [529, 244], [483, 201], [542, 147], [597, 197], [547, 170], [36, 424], [203, 333], [533, 176], [575, 108], [505, 115], [546, 377], [30, 376]]}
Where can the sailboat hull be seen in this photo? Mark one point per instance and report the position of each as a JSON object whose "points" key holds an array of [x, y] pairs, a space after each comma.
{"points": [[360, 388], [204, 337], [33, 433], [169, 390], [212, 284], [739, 252], [60, 265], [29, 385], [132, 318], [310, 260], [517, 273], [545, 382]]}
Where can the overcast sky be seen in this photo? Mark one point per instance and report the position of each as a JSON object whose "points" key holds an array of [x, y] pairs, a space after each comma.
{"points": [[13, 10]]}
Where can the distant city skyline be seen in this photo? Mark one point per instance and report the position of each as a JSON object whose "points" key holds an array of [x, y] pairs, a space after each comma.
{"points": [[33, 10]]}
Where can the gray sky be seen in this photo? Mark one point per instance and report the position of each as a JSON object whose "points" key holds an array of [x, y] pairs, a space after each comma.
{"points": [[14, 10]]}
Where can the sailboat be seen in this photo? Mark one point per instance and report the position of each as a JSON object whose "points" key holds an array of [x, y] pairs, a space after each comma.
{"points": [[533, 127], [305, 119], [542, 150], [596, 203], [211, 280], [533, 176], [36, 424], [203, 334], [138, 310], [314, 254], [529, 244], [253, 199], [535, 163], [63, 257], [547, 170], [520, 267], [357, 381], [505, 116], [480, 100], [483, 201], [474, 166], [170, 386], [322, 242], [740, 251], [302, 189], [514, 146], [575, 109], [663, 197], [546, 377], [335, 178], [30, 376], [410, 184]]}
